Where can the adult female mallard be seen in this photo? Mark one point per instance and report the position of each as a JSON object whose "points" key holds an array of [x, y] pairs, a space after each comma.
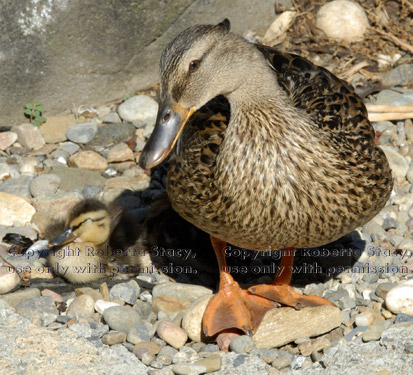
{"points": [[288, 159]]}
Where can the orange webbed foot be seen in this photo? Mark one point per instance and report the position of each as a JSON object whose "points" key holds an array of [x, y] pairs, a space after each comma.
{"points": [[286, 295], [233, 307]]}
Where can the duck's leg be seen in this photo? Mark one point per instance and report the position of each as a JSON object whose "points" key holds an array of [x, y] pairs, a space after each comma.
{"points": [[280, 290], [232, 307]]}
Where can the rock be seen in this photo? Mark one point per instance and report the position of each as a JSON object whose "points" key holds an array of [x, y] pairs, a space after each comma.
{"points": [[403, 318], [281, 362], [69, 147], [96, 295], [120, 152], [81, 329], [408, 126], [8, 279], [38, 309], [151, 347], [406, 245], [101, 305], [57, 298], [409, 175], [373, 333], [83, 304], [400, 298], [17, 186], [83, 132], [7, 139], [343, 21], [55, 127], [171, 334], [132, 183], [401, 75], [188, 369], [383, 289], [8, 171], [13, 299], [365, 319], [112, 118], [183, 291], [140, 144], [314, 346], [398, 163], [45, 184], [242, 344], [74, 178], [211, 363], [113, 338], [113, 133], [121, 318], [138, 333], [140, 110], [14, 209], [192, 320], [283, 325], [29, 136], [124, 292], [88, 160]]}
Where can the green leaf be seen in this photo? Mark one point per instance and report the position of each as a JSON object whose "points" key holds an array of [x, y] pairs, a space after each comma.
{"points": [[39, 108], [41, 119], [36, 113], [29, 106], [28, 112]]}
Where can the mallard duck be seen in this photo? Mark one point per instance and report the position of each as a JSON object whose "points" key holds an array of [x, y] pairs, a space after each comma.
{"points": [[289, 160], [97, 241]]}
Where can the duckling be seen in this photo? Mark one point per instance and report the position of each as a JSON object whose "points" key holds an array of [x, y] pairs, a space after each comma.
{"points": [[97, 241]]}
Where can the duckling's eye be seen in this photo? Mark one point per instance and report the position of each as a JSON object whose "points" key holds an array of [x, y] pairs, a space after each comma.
{"points": [[193, 66]]}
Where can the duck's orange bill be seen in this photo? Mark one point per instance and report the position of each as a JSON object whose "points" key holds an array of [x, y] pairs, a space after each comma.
{"points": [[170, 122]]}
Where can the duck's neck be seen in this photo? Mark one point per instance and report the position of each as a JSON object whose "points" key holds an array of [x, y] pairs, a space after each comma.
{"points": [[258, 89]]}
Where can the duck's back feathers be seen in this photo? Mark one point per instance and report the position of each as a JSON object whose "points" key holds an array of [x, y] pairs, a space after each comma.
{"points": [[331, 102]]}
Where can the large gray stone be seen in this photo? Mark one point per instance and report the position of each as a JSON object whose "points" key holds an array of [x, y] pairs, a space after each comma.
{"points": [[59, 53]]}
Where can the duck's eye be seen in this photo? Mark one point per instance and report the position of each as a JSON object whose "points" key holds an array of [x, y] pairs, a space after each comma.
{"points": [[193, 65]]}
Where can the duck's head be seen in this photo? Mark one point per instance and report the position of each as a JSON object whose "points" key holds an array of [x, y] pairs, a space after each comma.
{"points": [[89, 221], [198, 65]]}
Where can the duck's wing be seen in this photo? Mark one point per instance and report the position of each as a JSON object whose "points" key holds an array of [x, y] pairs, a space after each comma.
{"points": [[331, 102]]}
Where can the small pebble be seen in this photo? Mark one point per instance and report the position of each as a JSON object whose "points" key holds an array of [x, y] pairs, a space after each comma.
{"points": [[125, 292], [171, 334], [281, 362], [188, 369], [242, 344], [211, 363], [113, 338]]}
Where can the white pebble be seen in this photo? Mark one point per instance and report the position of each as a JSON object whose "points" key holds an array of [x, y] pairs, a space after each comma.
{"points": [[101, 305], [342, 21], [8, 279], [400, 298]]}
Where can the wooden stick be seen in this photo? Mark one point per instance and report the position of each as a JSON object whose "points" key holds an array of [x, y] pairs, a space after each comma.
{"points": [[390, 108], [389, 116], [401, 43]]}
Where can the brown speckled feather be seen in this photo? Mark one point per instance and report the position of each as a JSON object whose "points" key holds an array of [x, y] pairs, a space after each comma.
{"points": [[299, 168]]}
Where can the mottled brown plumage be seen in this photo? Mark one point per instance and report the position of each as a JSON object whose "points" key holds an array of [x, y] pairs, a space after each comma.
{"points": [[272, 152], [287, 159]]}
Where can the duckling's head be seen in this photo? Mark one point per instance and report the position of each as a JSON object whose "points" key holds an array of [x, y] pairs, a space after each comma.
{"points": [[89, 221], [202, 62]]}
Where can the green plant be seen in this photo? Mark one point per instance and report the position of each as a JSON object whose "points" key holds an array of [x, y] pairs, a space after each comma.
{"points": [[33, 111]]}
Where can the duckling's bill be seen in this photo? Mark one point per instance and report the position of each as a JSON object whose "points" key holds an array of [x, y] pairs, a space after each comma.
{"points": [[63, 238], [170, 122]]}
